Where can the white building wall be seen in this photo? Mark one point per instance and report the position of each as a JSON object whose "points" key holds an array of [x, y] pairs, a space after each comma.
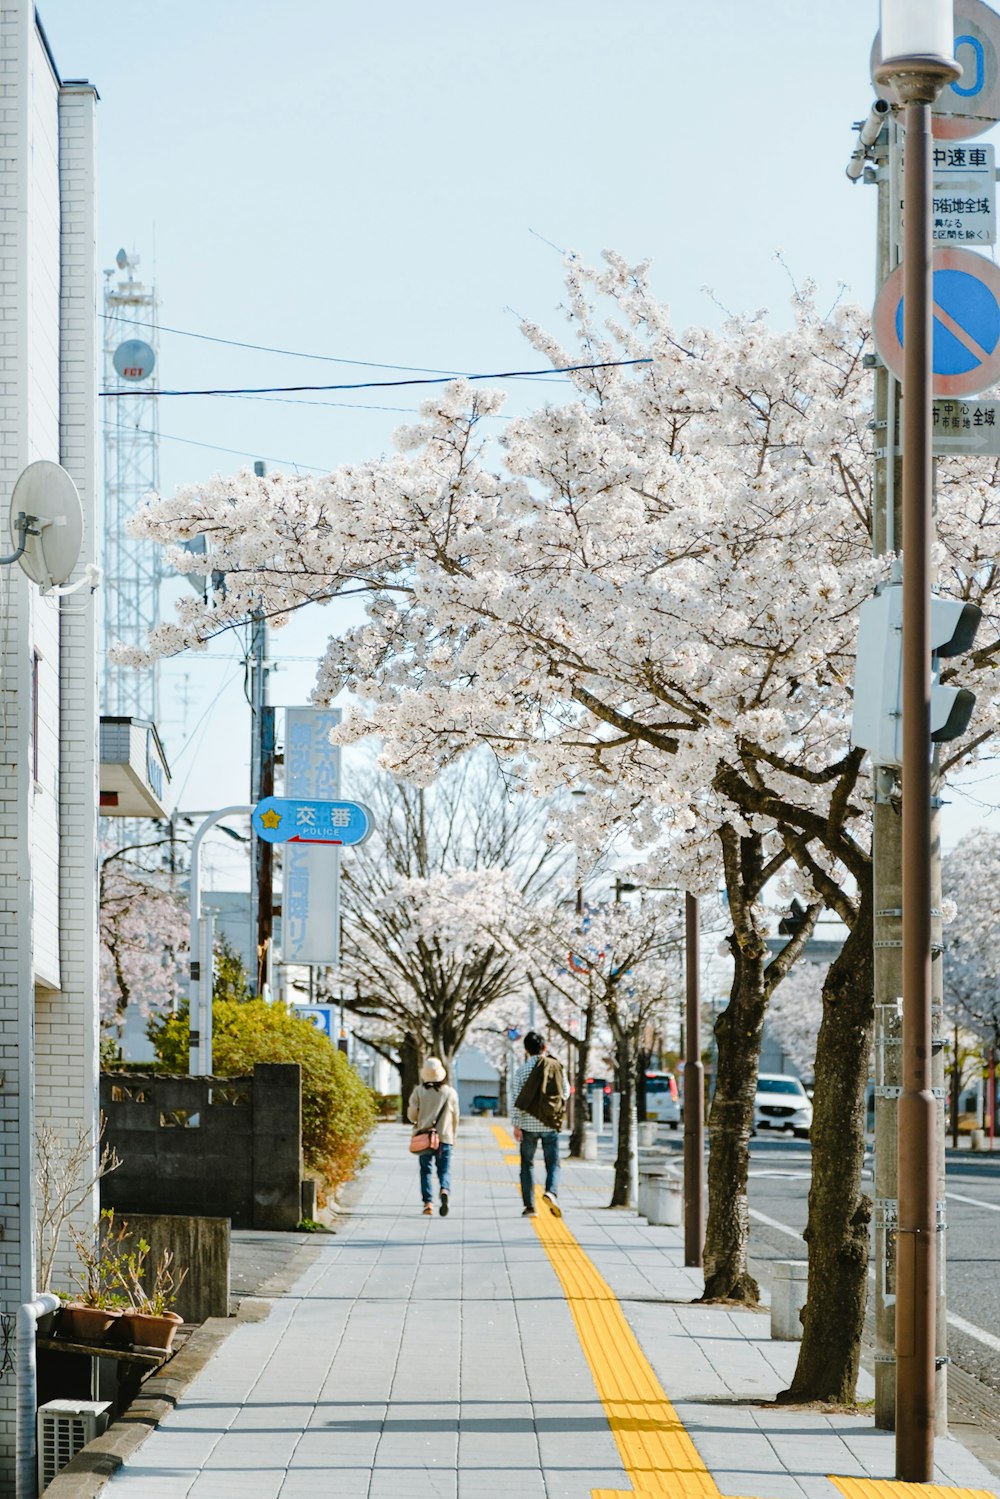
{"points": [[66, 1021], [48, 1033], [42, 319]]}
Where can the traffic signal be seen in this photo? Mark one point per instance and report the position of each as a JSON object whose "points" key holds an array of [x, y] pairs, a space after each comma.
{"points": [[877, 723], [794, 919], [878, 683], [953, 629]]}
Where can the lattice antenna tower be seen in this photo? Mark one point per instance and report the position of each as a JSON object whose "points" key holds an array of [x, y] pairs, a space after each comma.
{"points": [[133, 569]]}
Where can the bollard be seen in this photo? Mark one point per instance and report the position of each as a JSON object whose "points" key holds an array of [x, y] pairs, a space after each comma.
{"points": [[648, 1169], [977, 1139], [661, 1193], [616, 1105], [647, 1173], [647, 1132], [788, 1297], [589, 1144]]}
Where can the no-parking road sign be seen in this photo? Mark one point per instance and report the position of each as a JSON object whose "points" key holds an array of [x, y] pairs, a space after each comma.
{"points": [[966, 351]]}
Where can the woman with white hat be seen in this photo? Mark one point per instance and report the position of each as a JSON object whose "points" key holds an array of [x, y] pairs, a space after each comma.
{"points": [[434, 1106]]}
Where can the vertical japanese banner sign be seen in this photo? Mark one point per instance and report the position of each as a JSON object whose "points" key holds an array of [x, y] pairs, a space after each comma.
{"points": [[310, 903]]}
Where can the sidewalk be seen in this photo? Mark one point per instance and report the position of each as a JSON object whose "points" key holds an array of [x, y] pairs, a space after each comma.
{"points": [[486, 1354]]}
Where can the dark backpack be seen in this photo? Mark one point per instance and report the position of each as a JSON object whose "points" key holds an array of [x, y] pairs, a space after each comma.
{"points": [[541, 1094]]}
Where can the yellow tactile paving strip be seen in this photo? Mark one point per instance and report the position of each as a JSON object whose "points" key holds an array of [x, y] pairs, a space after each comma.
{"points": [[656, 1451], [889, 1488]]}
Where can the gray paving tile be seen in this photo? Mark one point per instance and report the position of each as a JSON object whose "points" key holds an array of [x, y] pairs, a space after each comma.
{"points": [[748, 1481], [420, 1358]]}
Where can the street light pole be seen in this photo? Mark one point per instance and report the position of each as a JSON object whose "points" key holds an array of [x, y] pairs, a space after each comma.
{"points": [[917, 39], [199, 960]]}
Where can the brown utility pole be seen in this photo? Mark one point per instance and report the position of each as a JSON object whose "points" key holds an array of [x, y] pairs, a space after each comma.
{"points": [[694, 1094]]}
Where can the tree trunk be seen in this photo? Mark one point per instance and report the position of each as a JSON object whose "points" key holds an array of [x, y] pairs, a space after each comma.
{"points": [[738, 1032], [625, 1054], [837, 1232], [580, 1096], [409, 1069]]}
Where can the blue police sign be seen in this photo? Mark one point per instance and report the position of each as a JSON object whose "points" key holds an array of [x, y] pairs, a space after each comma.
{"points": [[966, 348], [282, 819]]}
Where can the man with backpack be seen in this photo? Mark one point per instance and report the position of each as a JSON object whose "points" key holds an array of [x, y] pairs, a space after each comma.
{"points": [[540, 1091]]}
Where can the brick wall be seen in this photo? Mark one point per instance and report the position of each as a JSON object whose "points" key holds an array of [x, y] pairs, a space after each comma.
{"points": [[47, 824]]}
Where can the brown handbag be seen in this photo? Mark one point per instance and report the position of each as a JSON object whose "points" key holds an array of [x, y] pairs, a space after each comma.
{"points": [[427, 1139]]}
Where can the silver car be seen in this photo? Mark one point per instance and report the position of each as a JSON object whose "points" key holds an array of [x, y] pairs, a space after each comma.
{"points": [[662, 1099], [781, 1103]]}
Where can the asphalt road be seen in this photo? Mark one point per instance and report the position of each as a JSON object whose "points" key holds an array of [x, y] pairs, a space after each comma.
{"points": [[779, 1186]]}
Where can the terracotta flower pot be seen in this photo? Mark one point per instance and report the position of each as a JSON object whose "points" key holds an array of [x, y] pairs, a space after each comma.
{"points": [[86, 1324], [149, 1330]]}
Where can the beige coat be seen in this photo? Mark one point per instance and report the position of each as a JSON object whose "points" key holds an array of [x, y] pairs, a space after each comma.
{"points": [[425, 1102]]}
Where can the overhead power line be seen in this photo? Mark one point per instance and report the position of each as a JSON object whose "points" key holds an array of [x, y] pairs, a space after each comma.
{"points": [[266, 390], [237, 343]]}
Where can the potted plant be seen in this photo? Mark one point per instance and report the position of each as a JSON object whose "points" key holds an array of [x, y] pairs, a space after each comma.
{"points": [[89, 1313], [150, 1292]]}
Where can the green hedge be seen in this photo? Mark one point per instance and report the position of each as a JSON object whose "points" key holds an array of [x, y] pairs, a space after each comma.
{"points": [[338, 1110]]}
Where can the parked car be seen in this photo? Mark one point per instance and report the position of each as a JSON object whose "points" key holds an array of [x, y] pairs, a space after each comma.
{"points": [[782, 1103], [662, 1099]]}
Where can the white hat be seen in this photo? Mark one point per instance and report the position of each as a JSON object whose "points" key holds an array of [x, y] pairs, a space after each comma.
{"points": [[432, 1071]]}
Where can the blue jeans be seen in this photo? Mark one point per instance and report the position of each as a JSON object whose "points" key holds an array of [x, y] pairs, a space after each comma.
{"points": [[441, 1158], [550, 1152]]}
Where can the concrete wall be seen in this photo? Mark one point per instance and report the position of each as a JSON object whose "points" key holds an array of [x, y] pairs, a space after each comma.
{"points": [[227, 1147], [198, 1245]]}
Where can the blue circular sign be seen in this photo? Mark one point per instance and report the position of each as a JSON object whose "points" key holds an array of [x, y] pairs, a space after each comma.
{"points": [[962, 304], [966, 323]]}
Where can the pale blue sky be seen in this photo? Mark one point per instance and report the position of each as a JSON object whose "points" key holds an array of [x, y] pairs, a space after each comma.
{"points": [[368, 182]]}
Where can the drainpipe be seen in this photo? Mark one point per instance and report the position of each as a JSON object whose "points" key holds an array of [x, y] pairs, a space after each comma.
{"points": [[26, 1437]]}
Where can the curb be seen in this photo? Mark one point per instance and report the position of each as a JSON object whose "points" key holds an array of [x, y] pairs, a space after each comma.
{"points": [[87, 1474], [89, 1471]]}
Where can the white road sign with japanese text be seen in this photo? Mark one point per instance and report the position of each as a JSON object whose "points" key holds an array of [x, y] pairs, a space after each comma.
{"points": [[310, 914], [964, 203]]}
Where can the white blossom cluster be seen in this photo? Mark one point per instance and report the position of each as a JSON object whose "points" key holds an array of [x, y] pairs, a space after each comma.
{"points": [[464, 913], [970, 877], [794, 1013], [143, 936], [628, 591]]}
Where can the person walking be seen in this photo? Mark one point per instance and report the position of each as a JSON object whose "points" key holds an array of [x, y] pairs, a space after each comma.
{"points": [[540, 1091], [434, 1106]]}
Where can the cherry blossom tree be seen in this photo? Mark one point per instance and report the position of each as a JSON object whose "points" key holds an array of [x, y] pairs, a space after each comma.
{"points": [[616, 962], [650, 590], [143, 935], [433, 905], [970, 880]]}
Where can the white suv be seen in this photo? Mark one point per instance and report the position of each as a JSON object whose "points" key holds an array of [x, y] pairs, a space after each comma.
{"points": [[781, 1103]]}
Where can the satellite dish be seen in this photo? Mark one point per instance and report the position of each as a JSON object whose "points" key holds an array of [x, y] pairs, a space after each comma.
{"points": [[134, 359], [47, 497]]}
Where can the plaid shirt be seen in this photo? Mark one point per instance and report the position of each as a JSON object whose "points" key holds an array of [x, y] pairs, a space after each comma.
{"points": [[518, 1118]]}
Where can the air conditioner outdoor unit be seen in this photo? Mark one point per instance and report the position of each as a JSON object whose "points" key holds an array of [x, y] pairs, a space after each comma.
{"points": [[64, 1428]]}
